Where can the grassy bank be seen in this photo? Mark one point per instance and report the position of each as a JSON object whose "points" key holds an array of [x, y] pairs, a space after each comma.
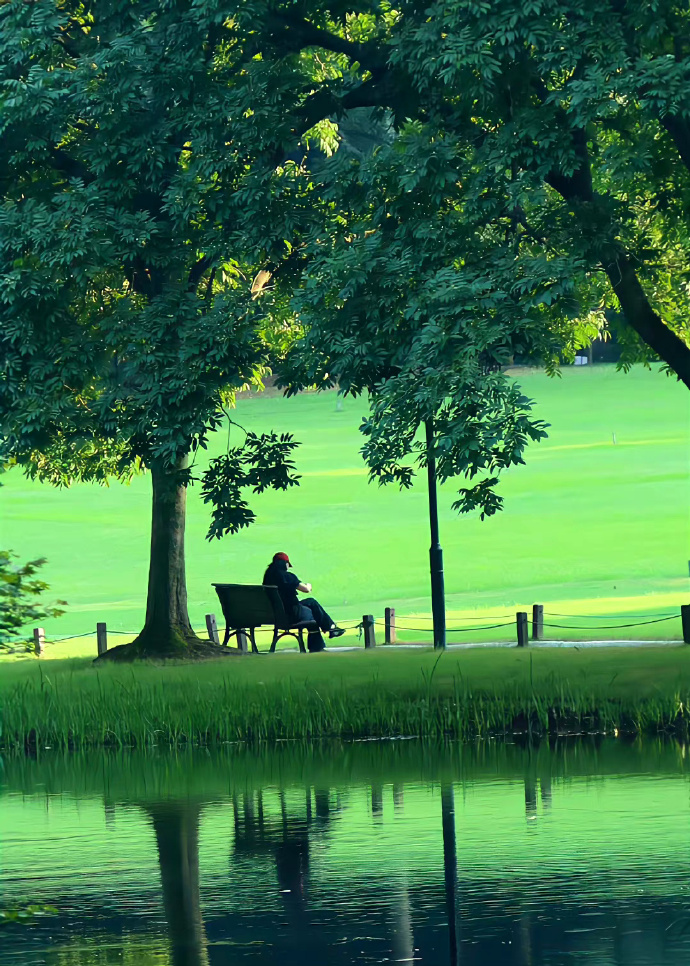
{"points": [[350, 695], [590, 527]]}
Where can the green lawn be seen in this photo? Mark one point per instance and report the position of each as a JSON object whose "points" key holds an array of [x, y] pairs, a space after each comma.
{"points": [[590, 527]]}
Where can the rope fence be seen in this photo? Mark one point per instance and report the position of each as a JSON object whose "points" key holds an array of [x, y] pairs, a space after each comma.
{"points": [[608, 627], [366, 627], [612, 617], [452, 630]]}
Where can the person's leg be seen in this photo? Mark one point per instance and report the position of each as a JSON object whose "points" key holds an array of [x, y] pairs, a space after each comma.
{"points": [[319, 614], [304, 612]]}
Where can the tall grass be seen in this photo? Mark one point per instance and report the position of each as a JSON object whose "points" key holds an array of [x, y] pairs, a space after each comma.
{"points": [[148, 706]]}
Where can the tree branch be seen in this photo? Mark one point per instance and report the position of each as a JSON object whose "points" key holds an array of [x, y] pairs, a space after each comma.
{"points": [[679, 131], [197, 271], [70, 166], [644, 320], [307, 35]]}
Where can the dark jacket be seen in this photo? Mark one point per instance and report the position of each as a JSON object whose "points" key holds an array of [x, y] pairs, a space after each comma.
{"points": [[278, 575]]}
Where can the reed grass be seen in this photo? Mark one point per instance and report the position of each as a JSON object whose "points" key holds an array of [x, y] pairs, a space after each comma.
{"points": [[383, 694]]}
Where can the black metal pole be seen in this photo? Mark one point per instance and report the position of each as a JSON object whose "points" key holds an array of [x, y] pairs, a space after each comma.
{"points": [[438, 594]]}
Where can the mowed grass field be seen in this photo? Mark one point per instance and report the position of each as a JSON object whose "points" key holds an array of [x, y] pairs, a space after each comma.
{"points": [[590, 526]]}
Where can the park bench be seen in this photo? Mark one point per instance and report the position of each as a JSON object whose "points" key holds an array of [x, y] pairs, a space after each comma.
{"points": [[248, 606]]}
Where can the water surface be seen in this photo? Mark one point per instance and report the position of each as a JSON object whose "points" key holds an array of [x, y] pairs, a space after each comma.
{"points": [[578, 852]]}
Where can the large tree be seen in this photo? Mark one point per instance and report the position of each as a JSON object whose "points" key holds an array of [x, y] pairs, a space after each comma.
{"points": [[535, 176], [126, 316], [569, 125]]}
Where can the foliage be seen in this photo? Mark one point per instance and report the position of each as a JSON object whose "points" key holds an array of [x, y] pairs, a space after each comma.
{"points": [[517, 165], [25, 914], [128, 146], [575, 129], [538, 175], [261, 462], [125, 302], [19, 604]]}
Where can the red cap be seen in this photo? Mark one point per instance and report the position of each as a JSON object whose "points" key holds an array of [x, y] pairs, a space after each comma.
{"points": [[282, 556]]}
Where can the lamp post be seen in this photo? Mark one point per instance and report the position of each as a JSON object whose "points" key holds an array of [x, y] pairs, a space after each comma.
{"points": [[438, 602]]}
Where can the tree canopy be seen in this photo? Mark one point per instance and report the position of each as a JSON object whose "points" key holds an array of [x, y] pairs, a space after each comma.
{"points": [[533, 177], [565, 125], [422, 193], [126, 315]]}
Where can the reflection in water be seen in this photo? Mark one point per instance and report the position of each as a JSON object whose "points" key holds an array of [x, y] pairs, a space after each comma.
{"points": [[450, 866], [286, 841], [177, 836], [163, 861]]}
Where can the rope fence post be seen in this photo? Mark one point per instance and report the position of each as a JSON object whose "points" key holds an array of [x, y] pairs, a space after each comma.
{"points": [[537, 622], [101, 638], [368, 626], [39, 641], [390, 637], [212, 628], [685, 618], [522, 629], [243, 640]]}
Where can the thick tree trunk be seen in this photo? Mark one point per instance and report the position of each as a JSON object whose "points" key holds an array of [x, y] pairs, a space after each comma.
{"points": [[167, 627], [167, 631], [640, 315]]}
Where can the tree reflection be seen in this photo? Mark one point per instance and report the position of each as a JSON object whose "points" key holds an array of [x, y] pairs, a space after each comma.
{"points": [[176, 826]]}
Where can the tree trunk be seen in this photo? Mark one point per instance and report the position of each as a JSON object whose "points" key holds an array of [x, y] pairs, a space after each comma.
{"points": [[640, 315], [167, 627], [167, 631]]}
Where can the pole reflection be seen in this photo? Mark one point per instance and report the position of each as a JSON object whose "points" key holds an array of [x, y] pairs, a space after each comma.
{"points": [[450, 867]]}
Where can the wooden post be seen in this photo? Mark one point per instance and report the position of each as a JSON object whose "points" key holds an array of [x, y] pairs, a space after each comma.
{"points": [[243, 640], [101, 638], [537, 622], [376, 800], [398, 798], [39, 641], [390, 625], [685, 617], [368, 625], [212, 628], [522, 631]]}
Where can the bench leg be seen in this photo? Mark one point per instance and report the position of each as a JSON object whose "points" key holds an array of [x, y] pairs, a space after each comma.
{"points": [[255, 649], [275, 640], [226, 638], [300, 640]]}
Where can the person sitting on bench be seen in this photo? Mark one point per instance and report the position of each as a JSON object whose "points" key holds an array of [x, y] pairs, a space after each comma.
{"points": [[307, 609]]}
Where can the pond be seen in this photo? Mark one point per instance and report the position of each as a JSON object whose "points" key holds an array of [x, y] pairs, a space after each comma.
{"points": [[370, 852]]}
